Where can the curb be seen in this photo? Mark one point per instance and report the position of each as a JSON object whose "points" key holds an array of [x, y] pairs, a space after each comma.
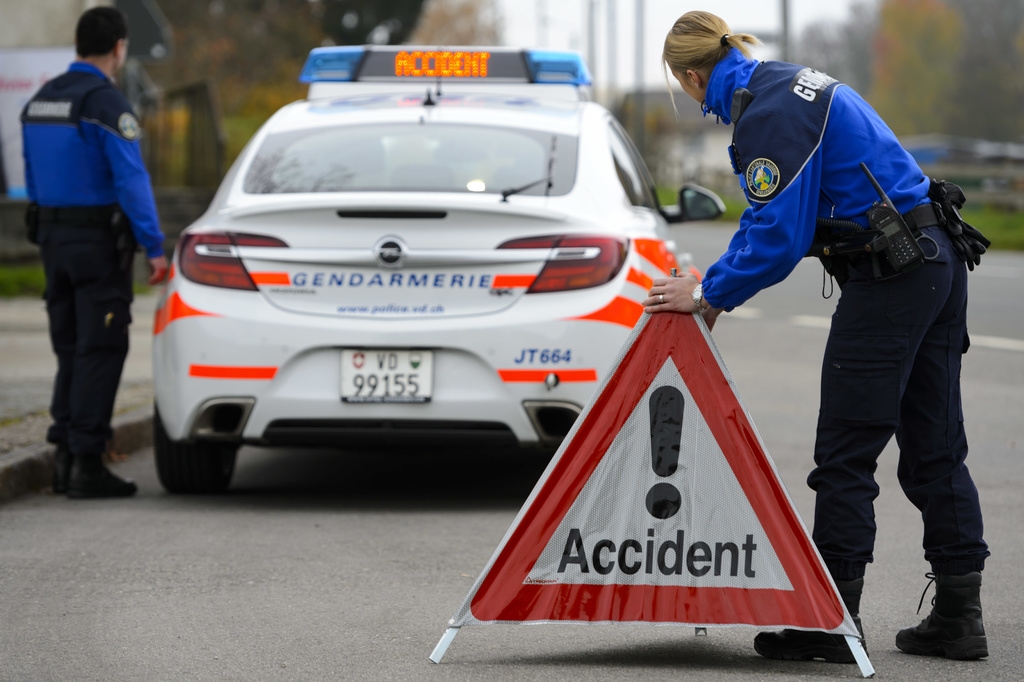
{"points": [[30, 468]]}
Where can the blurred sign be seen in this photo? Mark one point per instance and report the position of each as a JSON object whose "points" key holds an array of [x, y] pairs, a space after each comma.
{"points": [[22, 72]]}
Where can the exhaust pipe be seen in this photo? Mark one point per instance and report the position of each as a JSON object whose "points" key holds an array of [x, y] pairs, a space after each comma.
{"points": [[222, 418], [552, 419]]}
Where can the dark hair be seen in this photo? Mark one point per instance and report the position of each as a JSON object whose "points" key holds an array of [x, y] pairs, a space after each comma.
{"points": [[98, 31]]}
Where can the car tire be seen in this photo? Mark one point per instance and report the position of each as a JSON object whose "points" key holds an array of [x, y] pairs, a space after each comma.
{"points": [[199, 468]]}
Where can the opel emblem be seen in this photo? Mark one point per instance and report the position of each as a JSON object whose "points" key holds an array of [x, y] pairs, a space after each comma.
{"points": [[390, 252]]}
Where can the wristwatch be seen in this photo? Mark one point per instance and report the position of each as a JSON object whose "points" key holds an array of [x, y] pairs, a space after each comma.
{"points": [[698, 298]]}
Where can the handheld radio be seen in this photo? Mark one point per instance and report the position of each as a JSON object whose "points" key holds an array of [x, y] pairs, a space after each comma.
{"points": [[897, 242]]}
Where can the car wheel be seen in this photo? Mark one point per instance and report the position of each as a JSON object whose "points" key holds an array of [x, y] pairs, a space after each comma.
{"points": [[202, 467]]}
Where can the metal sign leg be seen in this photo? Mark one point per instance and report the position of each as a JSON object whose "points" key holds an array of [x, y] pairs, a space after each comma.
{"points": [[446, 640], [859, 655]]}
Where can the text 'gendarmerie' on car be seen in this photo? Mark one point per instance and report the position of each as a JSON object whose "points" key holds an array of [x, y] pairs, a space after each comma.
{"points": [[437, 245]]}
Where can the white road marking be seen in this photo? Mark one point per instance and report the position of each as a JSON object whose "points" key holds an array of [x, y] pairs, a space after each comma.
{"points": [[977, 340], [746, 313], [811, 321], [998, 271], [997, 342]]}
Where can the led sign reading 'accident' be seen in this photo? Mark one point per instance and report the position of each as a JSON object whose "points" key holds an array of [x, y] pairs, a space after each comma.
{"points": [[385, 64], [442, 64], [344, 63]]}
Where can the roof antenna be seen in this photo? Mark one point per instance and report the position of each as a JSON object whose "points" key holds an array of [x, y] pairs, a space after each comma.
{"points": [[438, 93]]}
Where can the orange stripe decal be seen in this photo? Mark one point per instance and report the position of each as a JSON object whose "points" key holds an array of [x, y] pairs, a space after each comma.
{"points": [[280, 278], [657, 253], [173, 309], [231, 372], [639, 278], [537, 376], [624, 311], [513, 281]]}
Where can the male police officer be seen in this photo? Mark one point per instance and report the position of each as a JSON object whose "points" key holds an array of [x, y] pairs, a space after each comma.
{"points": [[87, 183]]}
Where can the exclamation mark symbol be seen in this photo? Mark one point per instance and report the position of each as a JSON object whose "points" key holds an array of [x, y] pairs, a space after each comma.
{"points": [[666, 406]]}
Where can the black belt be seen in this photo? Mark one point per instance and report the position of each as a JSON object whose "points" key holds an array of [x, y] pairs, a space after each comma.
{"points": [[918, 218], [84, 216], [921, 217]]}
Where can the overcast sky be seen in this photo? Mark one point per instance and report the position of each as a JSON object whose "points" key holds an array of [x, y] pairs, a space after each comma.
{"points": [[566, 27]]}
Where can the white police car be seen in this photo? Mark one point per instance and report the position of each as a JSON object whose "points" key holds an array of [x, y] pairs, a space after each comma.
{"points": [[437, 246]]}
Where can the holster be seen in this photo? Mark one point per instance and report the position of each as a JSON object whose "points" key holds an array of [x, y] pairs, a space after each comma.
{"points": [[836, 242], [823, 248], [124, 239], [32, 223]]}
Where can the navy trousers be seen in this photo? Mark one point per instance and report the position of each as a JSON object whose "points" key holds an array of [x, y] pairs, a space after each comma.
{"points": [[88, 299], [892, 366]]}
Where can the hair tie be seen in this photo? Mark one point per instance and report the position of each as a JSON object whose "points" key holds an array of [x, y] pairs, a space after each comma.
{"points": [[725, 40]]}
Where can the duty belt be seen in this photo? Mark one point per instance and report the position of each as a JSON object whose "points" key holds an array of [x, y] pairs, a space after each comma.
{"points": [[921, 217], [839, 236], [84, 216]]}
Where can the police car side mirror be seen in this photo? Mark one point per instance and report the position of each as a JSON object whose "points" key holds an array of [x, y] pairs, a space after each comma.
{"points": [[698, 203]]}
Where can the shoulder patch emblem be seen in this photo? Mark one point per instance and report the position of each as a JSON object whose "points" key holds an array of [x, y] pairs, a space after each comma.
{"points": [[128, 126], [762, 177]]}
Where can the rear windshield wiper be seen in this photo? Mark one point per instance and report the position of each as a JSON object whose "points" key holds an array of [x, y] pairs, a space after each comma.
{"points": [[549, 178]]}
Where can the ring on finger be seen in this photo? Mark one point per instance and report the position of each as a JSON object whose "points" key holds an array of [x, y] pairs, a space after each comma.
{"points": [[661, 298]]}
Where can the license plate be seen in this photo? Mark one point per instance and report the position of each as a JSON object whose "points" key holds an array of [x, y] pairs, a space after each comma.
{"points": [[386, 376]]}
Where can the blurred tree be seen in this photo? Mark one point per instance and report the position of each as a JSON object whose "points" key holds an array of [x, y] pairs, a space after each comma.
{"points": [[251, 51], [989, 76], [843, 50], [458, 22], [917, 50], [241, 45], [379, 22]]}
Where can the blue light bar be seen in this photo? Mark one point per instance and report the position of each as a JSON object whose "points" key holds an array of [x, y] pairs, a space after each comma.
{"points": [[405, 63], [337, 64], [548, 66]]}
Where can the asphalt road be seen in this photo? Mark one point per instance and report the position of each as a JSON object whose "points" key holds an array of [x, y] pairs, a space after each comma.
{"points": [[335, 565]]}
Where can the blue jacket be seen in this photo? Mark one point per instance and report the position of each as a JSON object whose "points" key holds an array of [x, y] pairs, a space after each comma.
{"points": [[81, 148], [797, 148]]}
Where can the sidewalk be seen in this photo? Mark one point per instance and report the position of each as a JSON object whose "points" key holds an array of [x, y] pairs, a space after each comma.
{"points": [[27, 368]]}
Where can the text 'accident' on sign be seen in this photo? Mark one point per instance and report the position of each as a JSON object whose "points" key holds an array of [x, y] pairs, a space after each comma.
{"points": [[443, 64]]}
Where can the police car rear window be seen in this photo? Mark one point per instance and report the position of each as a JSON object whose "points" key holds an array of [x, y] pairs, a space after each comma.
{"points": [[413, 158]]}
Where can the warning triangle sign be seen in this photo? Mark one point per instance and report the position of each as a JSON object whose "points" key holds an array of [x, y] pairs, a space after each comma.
{"points": [[662, 505]]}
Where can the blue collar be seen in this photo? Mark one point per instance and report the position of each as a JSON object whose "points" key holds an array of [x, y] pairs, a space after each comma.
{"points": [[731, 72], [86, 67]]}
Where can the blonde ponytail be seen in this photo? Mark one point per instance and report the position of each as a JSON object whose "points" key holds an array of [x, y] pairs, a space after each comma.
{"points": [[699, 40]]}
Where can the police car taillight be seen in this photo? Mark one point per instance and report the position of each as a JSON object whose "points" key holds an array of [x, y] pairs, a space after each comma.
{"points": [[575, 261], [212, 258]]}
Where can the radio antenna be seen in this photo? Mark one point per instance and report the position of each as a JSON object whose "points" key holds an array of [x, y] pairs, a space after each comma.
{"points": [[438, 76]]}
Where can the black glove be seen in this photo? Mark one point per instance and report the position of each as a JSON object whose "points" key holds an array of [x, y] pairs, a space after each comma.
{"points": [[969, 243], [967, 240]]}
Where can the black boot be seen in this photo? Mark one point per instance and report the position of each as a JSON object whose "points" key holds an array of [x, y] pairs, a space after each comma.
{"points": [[61, 468], [954, 628], [89, 478], [802, 645]]}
